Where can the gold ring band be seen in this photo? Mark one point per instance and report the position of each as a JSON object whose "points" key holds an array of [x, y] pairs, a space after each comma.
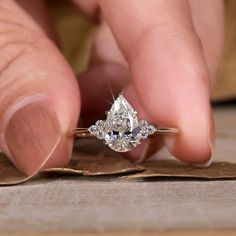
{"points": [[85, 133]]}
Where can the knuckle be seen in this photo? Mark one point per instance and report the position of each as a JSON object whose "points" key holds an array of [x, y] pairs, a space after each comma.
{"points": [[19, 58], [12, 18], [22, 45], [16, 28], [17, 66], [18, 41], [161, 37], [12, 33]]}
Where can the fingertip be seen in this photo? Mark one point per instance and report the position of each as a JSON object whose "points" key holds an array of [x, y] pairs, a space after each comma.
{"points": [[33, 136], [192, 146], [34, 132]]}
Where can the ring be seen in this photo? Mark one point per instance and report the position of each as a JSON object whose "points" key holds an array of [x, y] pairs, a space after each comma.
{"points": [[122, 131]]}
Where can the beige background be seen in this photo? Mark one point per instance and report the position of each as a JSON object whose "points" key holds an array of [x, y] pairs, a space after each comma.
{"points": [[76, 38]]}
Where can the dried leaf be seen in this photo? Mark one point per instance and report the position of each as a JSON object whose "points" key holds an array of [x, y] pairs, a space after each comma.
{"points": [[9, 174], [94, 165], [86, 164], [89, 164], [175, 169]]}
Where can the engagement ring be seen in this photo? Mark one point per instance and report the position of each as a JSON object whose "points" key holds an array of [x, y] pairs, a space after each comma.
{"points": [[122, 131]]}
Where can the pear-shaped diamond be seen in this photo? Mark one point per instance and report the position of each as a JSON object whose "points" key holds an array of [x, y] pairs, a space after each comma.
{"points": [[122, 117], [121, 126], [122, 131]]}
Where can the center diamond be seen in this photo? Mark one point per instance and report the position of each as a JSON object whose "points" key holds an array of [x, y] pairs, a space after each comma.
{"points": [[122, 131]]}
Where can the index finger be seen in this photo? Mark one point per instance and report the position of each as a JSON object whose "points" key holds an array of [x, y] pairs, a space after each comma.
{"points": [[168, 70]]}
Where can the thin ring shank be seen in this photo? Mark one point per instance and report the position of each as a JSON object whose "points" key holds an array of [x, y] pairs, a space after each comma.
{"points": [[84, 133], [165, 130]]}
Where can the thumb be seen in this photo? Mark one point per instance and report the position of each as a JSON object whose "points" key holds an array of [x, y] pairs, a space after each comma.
{"points": [[39, 97]]}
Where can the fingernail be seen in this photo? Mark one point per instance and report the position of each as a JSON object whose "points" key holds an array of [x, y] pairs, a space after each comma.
{"points": [[148, 151], [32, 135], [209, 161], [151, 146], [144, 153], [138, 154], [211, 143]]}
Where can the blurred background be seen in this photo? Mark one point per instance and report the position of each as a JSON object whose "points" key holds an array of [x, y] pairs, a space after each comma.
{"points": [[76, 33]]}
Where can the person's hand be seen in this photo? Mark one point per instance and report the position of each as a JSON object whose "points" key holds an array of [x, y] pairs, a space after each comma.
{"points": [[170, 49]]}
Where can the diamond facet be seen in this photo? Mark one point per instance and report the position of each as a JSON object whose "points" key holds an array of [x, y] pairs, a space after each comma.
{"points": [[122, 131]]}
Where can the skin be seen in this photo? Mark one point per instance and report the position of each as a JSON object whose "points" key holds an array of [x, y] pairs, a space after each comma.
{"points": [[169, 50]]}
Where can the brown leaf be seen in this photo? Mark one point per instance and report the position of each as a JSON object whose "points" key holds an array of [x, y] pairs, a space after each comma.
{"points": [[101, 164], [173, 169], [86, 164], [107, 163], [9, 174]]}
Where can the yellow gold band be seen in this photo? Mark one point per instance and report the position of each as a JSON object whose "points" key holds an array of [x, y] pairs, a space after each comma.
{"points": [[84, 132]]}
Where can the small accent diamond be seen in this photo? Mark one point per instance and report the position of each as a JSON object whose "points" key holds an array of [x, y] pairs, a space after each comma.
{"points": [[98, 129], [146, 129]]}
